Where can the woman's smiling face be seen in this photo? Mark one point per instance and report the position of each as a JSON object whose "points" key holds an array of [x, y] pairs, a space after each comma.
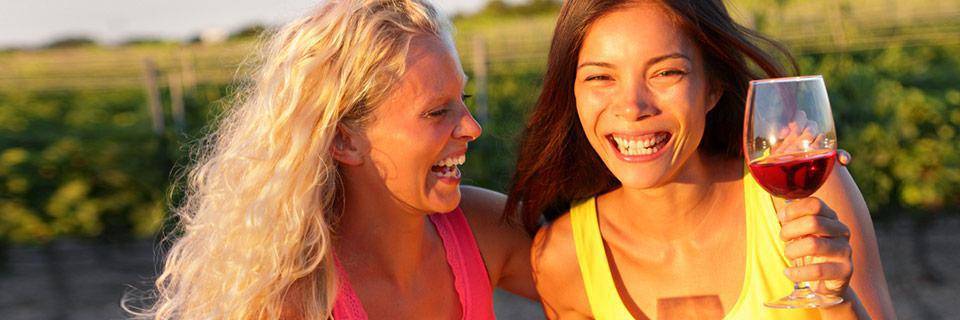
{"points": [[642, 94], [419, 136]]}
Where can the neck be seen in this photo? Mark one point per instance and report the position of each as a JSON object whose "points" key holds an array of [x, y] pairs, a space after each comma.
{"points": [[675, 210], [380, 236]]}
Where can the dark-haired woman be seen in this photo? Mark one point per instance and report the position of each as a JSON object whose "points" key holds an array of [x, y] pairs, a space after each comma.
{"points": [[633, 156]]}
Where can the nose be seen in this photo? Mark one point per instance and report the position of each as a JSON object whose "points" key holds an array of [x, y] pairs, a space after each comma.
{"points": [[636, 103], [468, 128]]}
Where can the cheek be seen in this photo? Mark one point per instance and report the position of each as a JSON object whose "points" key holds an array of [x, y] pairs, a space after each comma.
{"points": [[589, 116], [589, 108], [417, 148], [699, 107], [688, 103], [395, 157]]}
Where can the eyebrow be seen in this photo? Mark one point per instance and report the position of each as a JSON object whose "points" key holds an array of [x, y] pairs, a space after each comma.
{"points": [[652, 61]]}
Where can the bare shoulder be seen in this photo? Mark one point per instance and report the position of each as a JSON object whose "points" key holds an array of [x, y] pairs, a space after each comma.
{"points": [[553, 247], [556, 271]]}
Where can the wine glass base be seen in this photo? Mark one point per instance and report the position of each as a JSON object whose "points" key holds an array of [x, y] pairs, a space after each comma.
{"points": [[804, 299]]}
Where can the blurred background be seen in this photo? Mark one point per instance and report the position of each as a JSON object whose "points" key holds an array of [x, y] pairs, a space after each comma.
{"points": [[101, 101]]}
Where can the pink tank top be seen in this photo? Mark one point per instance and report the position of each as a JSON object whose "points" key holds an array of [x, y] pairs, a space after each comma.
{"points": [[463, 256]]}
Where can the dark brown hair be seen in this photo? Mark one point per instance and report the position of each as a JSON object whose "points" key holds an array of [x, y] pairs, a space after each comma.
{"points": [[556, 165]]}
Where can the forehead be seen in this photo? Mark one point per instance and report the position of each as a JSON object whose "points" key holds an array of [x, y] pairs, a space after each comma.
{"points": [[432, 70], [635, 31], [432, 76]]}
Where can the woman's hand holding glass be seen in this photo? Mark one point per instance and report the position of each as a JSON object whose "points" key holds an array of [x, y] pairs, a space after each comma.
{"points": [[813, 232]]}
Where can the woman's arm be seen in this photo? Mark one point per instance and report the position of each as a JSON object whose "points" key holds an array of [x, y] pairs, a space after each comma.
{"points": [[868, 281], [505, 247], [846, 245]]}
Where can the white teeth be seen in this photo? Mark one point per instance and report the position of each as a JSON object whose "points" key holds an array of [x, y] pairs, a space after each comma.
{"points": [[451, 161], [633, 147], [452, 171]]}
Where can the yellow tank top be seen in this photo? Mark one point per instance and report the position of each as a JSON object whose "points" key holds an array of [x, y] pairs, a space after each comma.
{"points": [[763, 275]]}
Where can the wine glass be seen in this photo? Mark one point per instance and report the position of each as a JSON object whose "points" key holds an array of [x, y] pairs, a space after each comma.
{"points": [[790, 147]]}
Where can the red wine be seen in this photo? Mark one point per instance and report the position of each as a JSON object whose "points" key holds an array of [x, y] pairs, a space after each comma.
{"points": [[794, 176]]}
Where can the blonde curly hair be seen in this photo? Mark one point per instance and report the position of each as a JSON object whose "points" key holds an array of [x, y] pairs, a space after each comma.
{"points": [[256, 224]]}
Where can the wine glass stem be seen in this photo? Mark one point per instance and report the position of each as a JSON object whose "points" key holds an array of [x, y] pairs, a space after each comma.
{"points": [[804, 284], [799, 262]]}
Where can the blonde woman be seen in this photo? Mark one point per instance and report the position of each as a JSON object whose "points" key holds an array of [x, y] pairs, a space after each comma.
{"points": [[332, 189]]}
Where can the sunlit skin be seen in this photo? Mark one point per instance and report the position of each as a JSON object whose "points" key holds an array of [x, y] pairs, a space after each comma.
{"points": [[619, 95], [391, 252], [423, 122], [675, 229]]}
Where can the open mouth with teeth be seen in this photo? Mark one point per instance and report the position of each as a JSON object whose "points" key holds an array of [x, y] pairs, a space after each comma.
{"points": [[641, 145], [448, 168]]}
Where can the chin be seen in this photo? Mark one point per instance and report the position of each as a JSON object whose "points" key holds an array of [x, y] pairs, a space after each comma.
{"points": [[635, 180], [445, 203]]}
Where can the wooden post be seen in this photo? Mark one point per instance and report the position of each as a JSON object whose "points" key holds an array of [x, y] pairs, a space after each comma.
{"points": [[156, 114], [188, 75], [480, 78], [835, 19], [153, 96], [176, 102]]}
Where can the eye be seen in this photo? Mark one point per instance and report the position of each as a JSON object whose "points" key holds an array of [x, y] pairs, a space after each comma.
{"points": [[436, 113], [670, 73], [599, 77], [667, 77], [465, 96]]}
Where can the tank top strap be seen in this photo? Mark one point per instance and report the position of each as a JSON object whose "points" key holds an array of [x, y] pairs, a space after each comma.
{"points": [[463, 255], [605, 302], [763, 277]]}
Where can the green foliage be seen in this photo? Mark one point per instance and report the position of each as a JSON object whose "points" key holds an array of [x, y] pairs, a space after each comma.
{"points": [[501, 8], [248, 32], [145, 41], [71, 42], [897, 112], [512, 92], [82, 164]]}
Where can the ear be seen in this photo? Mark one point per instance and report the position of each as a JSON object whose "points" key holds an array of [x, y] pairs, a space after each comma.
{"points": [[347, 147]]}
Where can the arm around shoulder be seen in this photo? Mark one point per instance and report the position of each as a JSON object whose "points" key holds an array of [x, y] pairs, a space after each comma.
{"points": [[505, 247]]}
